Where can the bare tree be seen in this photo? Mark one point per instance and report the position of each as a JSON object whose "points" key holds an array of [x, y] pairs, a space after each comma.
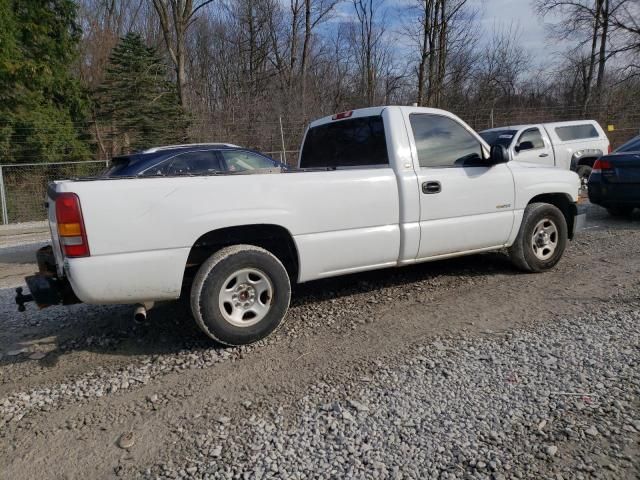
{"points": [[432, 31], [627, 21], [503, 63], [587, 22], [367, 42], [176, 16]]}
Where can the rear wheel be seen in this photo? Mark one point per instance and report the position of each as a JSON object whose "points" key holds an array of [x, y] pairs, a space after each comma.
{"points": [[620, 211], [584, 172], [240, 295], [541, 240]]}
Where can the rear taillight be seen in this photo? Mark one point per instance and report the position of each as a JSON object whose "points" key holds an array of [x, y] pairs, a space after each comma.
{"points": [[609, 149], [73, 237], [601, 165]]}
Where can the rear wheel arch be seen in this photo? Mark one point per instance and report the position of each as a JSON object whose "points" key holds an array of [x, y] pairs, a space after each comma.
{"points": [[564, 203], [273, 238], [587, 159]]}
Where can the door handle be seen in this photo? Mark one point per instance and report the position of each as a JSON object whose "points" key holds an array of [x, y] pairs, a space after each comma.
{"points": [[543, 155], [431, 187]]}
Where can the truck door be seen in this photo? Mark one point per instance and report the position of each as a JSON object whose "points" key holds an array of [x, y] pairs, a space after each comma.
{"points": [[533, 146], [465, 204]]}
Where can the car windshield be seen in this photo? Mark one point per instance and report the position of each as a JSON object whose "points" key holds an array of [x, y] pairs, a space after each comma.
{"points": [[498, 137], [632, 145]]}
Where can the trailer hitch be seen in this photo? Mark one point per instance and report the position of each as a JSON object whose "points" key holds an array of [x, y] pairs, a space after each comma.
{"points": [[22, 299]]}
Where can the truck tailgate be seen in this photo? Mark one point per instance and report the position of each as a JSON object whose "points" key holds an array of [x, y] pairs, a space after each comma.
{"points": [[53, 227]]}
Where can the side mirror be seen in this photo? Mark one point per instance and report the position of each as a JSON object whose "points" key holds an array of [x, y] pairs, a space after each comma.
{"points": [[524, 146], [499, 154]]}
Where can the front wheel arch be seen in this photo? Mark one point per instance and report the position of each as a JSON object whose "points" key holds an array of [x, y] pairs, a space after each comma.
{"points": [[564, 203], [524, 250]]}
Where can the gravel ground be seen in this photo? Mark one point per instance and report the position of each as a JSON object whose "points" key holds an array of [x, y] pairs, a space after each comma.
{"points": [[456, 369], [557, 402]]}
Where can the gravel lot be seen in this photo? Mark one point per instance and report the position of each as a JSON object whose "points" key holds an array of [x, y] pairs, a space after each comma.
{"points": [[456, 369]]}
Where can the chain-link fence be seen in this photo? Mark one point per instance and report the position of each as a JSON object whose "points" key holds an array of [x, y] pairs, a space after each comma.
{"points": [[23, 187]]}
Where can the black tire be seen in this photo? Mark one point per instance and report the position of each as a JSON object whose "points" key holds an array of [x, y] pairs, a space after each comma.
{"points": [[620, 211], [217, 314], [525, 251], [584, 171]]}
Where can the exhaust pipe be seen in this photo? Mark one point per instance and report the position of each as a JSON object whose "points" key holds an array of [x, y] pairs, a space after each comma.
{"points": [[140, 312]]}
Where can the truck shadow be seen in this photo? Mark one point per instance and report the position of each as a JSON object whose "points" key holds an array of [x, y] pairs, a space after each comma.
{"points": [[110, 330]]}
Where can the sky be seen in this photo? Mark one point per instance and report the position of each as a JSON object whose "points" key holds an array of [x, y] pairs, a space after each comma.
{"points": [[517, 14], [521, 15]]}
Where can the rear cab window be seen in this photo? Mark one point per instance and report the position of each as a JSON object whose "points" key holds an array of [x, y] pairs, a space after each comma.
{"points": [[577, 132], [355, 142]]}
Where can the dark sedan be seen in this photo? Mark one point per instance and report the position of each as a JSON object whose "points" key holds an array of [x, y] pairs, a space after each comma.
{"points": [[615, 180], [190, 159]]}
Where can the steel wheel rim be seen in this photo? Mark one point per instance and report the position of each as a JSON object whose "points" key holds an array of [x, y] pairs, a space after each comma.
{"points": [[544, 239], [245, 297], [584, 182]]}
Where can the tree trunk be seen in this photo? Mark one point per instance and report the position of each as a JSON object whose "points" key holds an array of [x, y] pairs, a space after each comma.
{"points": [[305, 51], [592, 59], [442, 53], [425, 52], [602, 58], [433, 35]]}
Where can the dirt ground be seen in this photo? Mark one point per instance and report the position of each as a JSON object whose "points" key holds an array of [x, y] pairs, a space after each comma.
{"points": [[62, 369]]}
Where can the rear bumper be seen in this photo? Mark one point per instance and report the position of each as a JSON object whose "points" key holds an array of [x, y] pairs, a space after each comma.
{"points": [[615, 195], [109, 279], [45, 287]]}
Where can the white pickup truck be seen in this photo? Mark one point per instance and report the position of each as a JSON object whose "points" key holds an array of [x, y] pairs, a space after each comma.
{"points": [[572, 145], [375, 188]]}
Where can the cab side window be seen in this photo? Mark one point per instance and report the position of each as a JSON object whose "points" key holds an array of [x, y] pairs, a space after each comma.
{"points": [[190, 163], [530, 140], [443, 142], [240, 160]]}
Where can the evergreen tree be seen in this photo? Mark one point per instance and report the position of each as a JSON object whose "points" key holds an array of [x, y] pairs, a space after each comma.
{"points": [[41, 104], [137, 100]]}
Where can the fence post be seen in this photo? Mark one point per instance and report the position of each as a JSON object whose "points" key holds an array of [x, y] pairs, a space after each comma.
{"points": [[3, 199], [284, 150]]}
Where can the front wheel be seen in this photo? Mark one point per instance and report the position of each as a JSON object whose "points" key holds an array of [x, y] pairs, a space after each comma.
{"points": [[541, 240], [240, 295]]}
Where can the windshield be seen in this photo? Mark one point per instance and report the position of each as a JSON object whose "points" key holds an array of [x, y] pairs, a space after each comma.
{"points": [[498, 137]]}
